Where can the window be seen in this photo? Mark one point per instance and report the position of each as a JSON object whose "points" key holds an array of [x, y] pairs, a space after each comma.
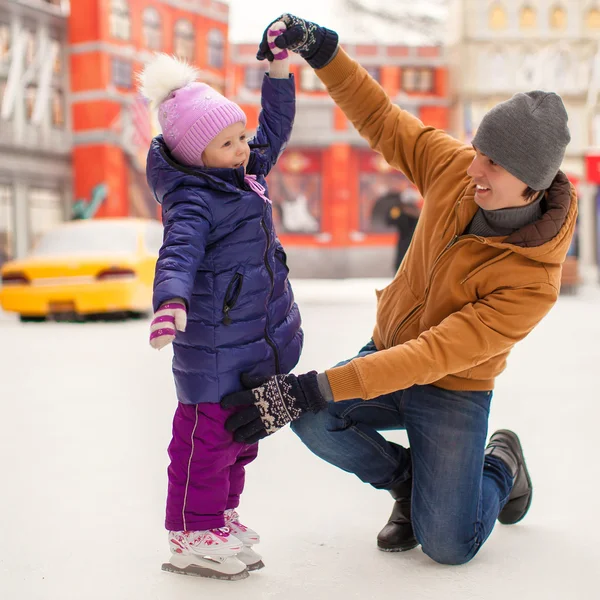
{"points": [[58, 109], [185, 40], [30, 48], [528, 18], [57, 67], [374, 72], [4, 41], [7, 231], [309, 82], [120, 20], [30, 96], [592, 19], [416, 79], [45, 211], [152, 29], [498, 19], [558, 18], [216, 48], [253, 77], [122, 73]]}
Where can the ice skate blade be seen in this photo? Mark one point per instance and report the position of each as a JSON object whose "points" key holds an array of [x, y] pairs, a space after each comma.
{"points": [[198, 571], [256, 566], [251, 558]]}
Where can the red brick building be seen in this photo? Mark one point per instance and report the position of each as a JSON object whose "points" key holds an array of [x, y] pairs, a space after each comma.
{"points": [[109, 41]]}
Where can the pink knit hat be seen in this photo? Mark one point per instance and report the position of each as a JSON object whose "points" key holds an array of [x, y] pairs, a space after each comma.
{"points": [[192, 116]]}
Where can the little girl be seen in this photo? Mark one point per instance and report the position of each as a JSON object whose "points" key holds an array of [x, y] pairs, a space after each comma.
{"points": [[221, 295]]}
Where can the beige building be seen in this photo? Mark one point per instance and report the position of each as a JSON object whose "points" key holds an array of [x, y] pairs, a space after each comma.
{"points": [[501, 47], [35, 138]]}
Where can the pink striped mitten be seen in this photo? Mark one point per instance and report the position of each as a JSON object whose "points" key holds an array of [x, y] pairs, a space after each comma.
{"points": [[275, 30], [170, 317]]}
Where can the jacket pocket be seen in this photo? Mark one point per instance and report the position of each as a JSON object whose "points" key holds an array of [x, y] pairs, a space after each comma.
{"points": [[281, 256], [231, 296]]}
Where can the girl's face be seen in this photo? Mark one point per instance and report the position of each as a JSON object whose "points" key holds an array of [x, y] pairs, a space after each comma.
{"points": [[229, 149]]}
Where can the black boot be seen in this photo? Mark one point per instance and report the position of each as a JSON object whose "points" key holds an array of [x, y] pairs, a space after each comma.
{"points": [[505, 445], [398, 535]]}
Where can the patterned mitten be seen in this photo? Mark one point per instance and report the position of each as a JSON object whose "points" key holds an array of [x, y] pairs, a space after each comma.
{"points": [[271, 405], [169, 317], [317, 45], [279, 67]]}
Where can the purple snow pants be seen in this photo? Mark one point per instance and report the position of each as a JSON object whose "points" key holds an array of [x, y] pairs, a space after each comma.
{"points": [[207, 470]]}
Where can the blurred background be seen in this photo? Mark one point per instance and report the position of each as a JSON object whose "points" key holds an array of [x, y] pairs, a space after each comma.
{"points": [[74, 132]]}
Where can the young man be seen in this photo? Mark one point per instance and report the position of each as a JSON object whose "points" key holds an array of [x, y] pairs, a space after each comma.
{"points": [[482, 271]]}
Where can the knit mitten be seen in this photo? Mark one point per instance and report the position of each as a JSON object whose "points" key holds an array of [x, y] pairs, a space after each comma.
{"points": [[170, 317], [317, 45], [279, 66]]}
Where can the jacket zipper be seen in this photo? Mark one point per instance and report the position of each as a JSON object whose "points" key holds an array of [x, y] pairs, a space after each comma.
{"points": [[231, 299], [271, 277]]}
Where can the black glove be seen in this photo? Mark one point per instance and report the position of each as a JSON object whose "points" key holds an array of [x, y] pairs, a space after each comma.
{"points": [[271, 404], [316, 44]]}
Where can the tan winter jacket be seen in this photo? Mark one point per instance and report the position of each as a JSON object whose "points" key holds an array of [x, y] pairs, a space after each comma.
{"points": [[458, 303]]}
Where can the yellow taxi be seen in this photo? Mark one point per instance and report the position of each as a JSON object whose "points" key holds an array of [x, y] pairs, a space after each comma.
{"points": [[85, 267]]}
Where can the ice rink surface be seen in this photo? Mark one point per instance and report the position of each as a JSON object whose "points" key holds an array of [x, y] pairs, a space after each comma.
{"points": [[85, 420]]}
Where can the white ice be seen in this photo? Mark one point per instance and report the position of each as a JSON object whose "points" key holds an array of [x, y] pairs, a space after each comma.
{"points": [[85, 419]]}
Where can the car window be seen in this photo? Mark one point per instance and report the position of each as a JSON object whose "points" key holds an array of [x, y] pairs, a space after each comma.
{"points": [[153, 237], [89, 237]]}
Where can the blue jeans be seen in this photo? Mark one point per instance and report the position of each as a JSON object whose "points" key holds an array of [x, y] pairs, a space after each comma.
{"points": [[457, 493]]}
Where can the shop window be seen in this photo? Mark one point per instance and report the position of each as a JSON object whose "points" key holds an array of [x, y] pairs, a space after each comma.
{"points": [[46, 210], [120, 20], [4, 41], [216, 48], [498, 19], [592, 19], [122, 73], [58, 109], [309, 82], [417, 80], [253, 77], [152, 28], [185, 40], [7, 232], [30, 96], [558, 18], [528, 18]]}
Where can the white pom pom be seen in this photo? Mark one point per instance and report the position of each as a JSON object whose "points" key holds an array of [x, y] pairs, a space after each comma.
{"points": [[163, 75]]}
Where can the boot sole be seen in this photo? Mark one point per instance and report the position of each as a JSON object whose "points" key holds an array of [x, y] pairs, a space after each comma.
{"points": [[517, 446], [389, 548]]}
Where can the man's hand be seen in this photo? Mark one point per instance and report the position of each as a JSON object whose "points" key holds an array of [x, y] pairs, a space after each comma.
{"points": [[271, 404], [316, 44]]}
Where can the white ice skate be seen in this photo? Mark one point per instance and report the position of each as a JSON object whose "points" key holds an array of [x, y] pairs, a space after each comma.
{"points": [[248, 537], [212, 553]]}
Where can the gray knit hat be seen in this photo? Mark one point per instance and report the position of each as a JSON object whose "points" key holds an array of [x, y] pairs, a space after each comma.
{"points": [[527, 135]]}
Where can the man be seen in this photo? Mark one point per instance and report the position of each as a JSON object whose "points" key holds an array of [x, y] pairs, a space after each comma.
{"points": [[483, 269]]}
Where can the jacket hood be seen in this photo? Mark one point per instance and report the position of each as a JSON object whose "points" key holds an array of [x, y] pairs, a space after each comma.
{"points": [[548, 239], [165, 175]]}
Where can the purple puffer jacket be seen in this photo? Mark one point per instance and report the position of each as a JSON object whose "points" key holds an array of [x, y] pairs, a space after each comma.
{"points": [[222, 256]]}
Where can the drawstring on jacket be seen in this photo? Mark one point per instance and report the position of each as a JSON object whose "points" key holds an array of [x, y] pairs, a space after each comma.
{"points": [[256, 187]]}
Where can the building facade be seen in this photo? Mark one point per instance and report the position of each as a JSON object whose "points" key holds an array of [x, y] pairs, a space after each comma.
{"points": [[330, 192], [501, 47], [109, 42], [35, 125]]}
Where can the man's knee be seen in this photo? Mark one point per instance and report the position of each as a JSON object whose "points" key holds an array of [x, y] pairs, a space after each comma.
{"points": [[446, 547]]}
